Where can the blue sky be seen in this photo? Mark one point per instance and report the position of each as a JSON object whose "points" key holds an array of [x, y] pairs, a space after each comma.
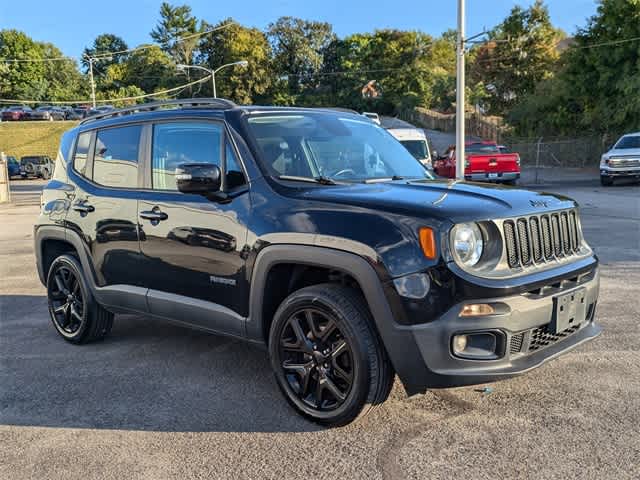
{"points": [[73, 24]]}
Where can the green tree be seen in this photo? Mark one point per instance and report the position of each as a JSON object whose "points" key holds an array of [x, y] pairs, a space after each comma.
{"points": [[149, 68], [522, 51], [63, 79], [21, 80], [399, 62], [596, 88], [231, 44], [103, 46], [175, 32], [298, 49]]}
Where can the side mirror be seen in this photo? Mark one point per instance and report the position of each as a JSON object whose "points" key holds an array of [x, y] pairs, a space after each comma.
{"points": [[199, 178], [434, 154]]}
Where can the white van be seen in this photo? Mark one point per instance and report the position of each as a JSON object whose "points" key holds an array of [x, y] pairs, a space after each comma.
{"points": [[415, 141]]}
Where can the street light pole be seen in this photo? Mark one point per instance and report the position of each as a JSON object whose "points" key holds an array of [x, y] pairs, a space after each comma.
{"points": [[460, 86], [212, 72]]}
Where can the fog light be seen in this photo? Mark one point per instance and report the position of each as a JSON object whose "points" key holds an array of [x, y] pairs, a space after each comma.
{"points": [[459, 344], [479, 346], [476, 309]]}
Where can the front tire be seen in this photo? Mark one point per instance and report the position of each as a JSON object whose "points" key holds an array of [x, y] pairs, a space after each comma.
{"points": [[75, 314], [327, 358], [606, 181]]}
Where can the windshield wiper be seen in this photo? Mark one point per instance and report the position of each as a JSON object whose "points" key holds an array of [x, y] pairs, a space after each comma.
{"points": [[322, 180], [383, 179]]}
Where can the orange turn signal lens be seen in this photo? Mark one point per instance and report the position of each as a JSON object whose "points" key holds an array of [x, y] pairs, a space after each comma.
{"points": [[476, 310], [428, 242]]}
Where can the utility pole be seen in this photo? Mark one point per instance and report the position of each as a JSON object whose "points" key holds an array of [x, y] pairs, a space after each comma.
{"points": [[93, 84], [460, 86], [91, 79]]}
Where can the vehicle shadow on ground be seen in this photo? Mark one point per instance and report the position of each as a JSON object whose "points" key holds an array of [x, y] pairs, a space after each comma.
{"points": [[146, 375]]}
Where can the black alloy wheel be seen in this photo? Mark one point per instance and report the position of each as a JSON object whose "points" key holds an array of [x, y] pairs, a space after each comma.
{"points": [[66, 300], [326, 355], [75, 314], [316, 359]]}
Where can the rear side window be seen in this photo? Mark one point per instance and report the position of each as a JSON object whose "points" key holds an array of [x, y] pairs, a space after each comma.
{"points": [[80, 155], [115, 162], [182, 142]]}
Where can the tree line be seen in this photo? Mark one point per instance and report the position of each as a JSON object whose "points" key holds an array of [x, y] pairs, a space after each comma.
{"points": [[524, 69]]}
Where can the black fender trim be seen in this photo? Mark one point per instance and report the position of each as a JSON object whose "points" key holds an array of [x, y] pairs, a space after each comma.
{"points": [[397, 339], [116, 298]]}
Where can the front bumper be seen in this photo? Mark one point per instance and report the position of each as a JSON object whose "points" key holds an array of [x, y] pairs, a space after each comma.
{"points": [[492, 176], [629, 172], [521, 324]]}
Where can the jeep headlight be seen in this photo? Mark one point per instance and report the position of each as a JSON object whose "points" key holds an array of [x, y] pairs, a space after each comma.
{"points": [[467, 243]]}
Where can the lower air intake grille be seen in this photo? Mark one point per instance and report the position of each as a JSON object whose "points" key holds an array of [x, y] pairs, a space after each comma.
{"points": [[515, 345], [542, 337]]}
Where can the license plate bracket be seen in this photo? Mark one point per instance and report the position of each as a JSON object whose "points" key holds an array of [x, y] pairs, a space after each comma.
{"points": [[492, 175], [569, 309]]}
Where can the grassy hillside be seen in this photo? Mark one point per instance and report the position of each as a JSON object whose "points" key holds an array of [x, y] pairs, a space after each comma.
{"points": [[32, 138]]}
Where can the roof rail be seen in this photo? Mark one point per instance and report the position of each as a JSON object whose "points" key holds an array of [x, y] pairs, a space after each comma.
{"points": [[220, 103]]}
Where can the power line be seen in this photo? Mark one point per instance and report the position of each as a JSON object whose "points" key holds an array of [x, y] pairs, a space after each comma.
{"points": [[99, 56], [144, 47], [555, 45], [108, 100], [34, 60]]}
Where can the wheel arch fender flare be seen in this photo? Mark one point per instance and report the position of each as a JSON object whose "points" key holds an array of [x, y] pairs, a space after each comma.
{"points": [[398, 340]]}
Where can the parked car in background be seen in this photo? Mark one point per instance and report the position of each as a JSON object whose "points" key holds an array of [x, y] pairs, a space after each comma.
{"points": [[622, 160], [374, 117], [13, 167], [414, 140], [16, 113], [483, 162], [47, 113], [76, 114], [40, 166]]}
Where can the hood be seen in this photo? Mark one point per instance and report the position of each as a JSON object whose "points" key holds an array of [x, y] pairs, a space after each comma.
{"points": [[441, 199], [623, 152]]}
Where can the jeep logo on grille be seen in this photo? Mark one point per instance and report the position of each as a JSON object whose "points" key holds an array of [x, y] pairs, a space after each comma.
{"points": [[538, 203]]}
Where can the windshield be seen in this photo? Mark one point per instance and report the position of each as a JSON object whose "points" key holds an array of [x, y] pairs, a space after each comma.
{"points": [[629, 141], [309, 144], [417, 148]]}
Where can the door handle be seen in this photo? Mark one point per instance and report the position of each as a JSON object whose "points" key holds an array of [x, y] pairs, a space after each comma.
{"points": [[154, 215], [83, 208]]}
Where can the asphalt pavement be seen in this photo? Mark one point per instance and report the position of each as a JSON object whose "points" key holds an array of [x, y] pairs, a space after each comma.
{"points": [[155, 401]]}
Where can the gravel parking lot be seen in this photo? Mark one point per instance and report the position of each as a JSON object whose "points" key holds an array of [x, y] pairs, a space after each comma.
{"points": [[156, 401]]}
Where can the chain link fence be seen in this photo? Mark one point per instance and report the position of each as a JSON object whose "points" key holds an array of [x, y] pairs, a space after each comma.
{"points": [[544, 152]]}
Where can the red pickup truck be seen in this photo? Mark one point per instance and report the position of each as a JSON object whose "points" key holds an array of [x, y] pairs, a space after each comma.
{"points": [[483, 161]]}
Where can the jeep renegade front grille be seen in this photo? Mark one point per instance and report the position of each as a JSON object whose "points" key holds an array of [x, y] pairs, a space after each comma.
{"points": [[541, 238]]}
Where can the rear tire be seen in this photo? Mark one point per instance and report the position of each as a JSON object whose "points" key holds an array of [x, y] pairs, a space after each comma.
{"points": [[327, 357], [75, 314]]}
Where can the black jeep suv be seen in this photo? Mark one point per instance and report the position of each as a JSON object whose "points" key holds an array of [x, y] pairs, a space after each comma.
{"points": [[314, 233]]}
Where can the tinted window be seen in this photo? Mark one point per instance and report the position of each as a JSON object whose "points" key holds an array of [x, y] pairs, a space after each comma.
{"points": [[182, 142], [115, 161], [80, 157]]}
